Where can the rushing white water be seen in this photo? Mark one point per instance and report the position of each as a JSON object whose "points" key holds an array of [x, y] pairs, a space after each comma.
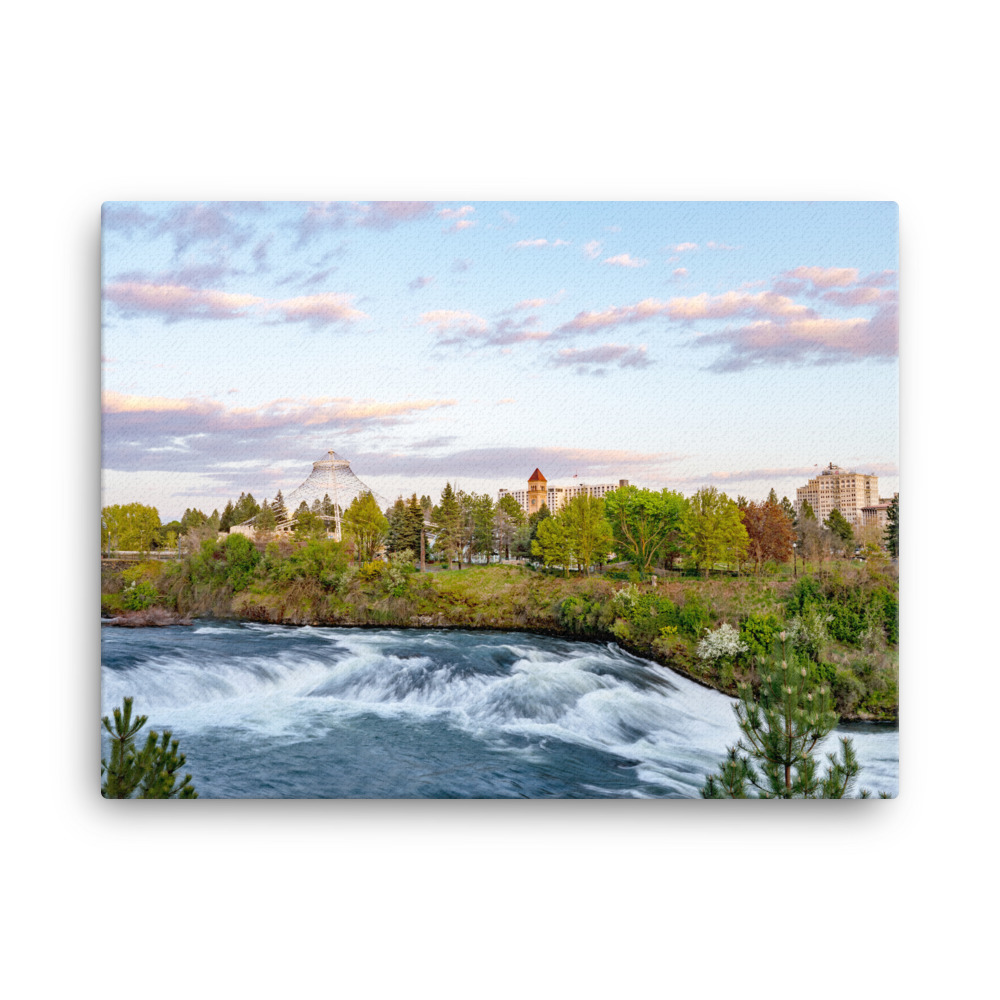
{"points": [[269, 710]]}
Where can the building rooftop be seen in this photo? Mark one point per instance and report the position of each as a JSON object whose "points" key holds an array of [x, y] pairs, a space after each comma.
{"points": [[537, 477]]}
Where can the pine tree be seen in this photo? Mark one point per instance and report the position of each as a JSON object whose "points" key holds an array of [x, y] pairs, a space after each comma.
{"points": [[892, 528], [265, 521], [840, 527], [772, 497], [782, 724], [149, 773], [786, 506], [278, 506], [447, 516], [226, 522]]}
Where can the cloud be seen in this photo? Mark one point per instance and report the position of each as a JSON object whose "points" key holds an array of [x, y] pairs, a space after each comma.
{"points": [[179, 302], [462, 264], [813, 341], [454, 326], [176, 302], [683, 247], [456, 213], [460, 225], [125, 217], [680, 272], [625, 260], [516, 464], [623, 355], [720, 246], [199, 435], [698, 307], [421, 281], [542, 243], [860, 296], [824, 277], [389, 214], [592, 249]]}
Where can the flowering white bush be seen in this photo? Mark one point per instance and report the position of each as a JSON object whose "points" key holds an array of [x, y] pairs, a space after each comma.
{"points": [[624, 599], [724, 641]]}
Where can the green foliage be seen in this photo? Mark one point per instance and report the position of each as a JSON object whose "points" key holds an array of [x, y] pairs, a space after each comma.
{"points": [[590, 536], [241, 560], [713, 529], [146, 773], [646, 525], [322, 560], [138, 595], [365, 527], [781, 725], [131, 527], [553, 545], [892, 528], [759, 633]]}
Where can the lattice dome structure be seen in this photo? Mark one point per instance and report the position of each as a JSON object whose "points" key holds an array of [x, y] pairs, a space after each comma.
{"points": [[331, 477]]}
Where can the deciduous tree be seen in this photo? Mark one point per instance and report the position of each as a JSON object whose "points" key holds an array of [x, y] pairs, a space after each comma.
{"points": [[590, 534], [552, 544], [645, 524], [770, 534], [365, 526], [714, 529]]}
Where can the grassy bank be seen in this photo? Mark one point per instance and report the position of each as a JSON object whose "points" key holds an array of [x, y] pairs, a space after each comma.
{"points": [[844, 623]]}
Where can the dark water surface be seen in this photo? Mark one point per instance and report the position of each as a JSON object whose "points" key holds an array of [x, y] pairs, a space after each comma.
{"points": [[274, 711]]}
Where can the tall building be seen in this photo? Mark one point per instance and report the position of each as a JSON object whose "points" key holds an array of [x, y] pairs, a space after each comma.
{"points": [[555, 497], [834, 487]]}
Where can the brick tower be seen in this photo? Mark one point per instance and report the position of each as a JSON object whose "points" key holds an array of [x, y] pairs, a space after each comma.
{"points": [[537, 492]]}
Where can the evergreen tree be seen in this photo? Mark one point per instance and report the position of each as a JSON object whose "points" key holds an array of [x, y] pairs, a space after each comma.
{"points": [[447, 515], [226, 521], [892, 528], [327, 508], [507, 518], [265, 522], [483, 511], [789, 510], [806, 513], [841, 528], [215, 520], [414, 525], [278, 506], [772, 497], [781, 726], [149, 773]]}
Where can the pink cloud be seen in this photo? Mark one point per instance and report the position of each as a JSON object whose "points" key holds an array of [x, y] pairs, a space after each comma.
{"points": [[626, 260], [825, 277], [860, 296], [456, 213], [592, 249], [179, 301], [454, 326], [683, 247], [680, 272], [389, 214]]}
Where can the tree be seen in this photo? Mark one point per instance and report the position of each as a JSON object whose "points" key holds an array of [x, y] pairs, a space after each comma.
{"points": [[892, 528], [265, 522], [483, 511], [789, 510], [552, 543], [507, 518], [772, 497], [714, 529], [447, 516], [770, 534], [781, 726], [644, 523], [131, 527], [226, 521], [840, 528], [366, 526], [278, 507], [149, 773], [405, 521], [590, 534]]}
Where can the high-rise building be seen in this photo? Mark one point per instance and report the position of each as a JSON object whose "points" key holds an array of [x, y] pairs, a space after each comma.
{"points": [[838, 488], [555, 497]]}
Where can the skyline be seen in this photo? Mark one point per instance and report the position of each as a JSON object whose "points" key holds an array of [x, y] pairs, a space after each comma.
{"points": [[743, 345]]}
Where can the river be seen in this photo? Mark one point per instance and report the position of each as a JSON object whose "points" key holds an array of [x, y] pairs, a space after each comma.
{"points": [[274, 711]]}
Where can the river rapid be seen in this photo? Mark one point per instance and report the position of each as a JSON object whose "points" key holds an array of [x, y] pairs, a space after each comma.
{"points": [[271, 711]]}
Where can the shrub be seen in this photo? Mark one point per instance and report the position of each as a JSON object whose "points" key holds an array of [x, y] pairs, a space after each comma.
{"points": [[723, 643], [138, 596], [693, 618], [759, 633], [241, 561]]}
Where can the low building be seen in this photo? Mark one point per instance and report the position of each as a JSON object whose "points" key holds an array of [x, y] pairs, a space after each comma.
{"points": [[877, 514], [539, 492]]}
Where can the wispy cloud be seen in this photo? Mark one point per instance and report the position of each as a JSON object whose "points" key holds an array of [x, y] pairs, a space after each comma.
{"points": [[541, 243], [456, 213], [824, 277], [455, 326], [180, 302], [626, 260], [584, 360], [421, 281], [592, 249], [332, 215], [683, 247]]}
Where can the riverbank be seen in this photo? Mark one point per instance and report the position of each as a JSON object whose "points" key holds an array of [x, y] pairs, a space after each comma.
{"points": [[660, 621]]}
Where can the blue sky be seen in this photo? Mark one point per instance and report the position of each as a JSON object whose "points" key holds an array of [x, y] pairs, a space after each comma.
{"points": [[737, 344]]}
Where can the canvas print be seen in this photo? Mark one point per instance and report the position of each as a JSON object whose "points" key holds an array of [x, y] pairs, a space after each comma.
{"points": [[499, 500]]}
